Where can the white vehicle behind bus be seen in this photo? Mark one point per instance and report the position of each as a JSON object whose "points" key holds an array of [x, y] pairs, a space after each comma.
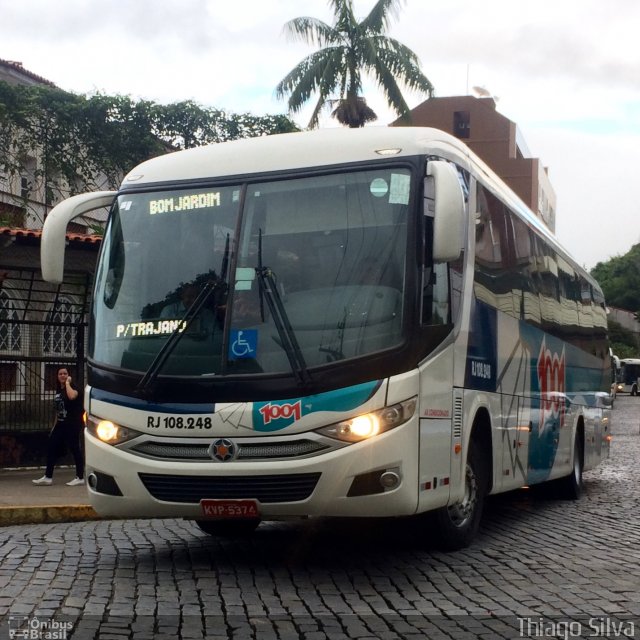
{"points": [[629, 376], [382, 329]]}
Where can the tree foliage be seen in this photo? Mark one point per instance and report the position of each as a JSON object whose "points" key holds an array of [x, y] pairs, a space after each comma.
{"points": [[619, 278], [624, 343], [348, 49], [81, 143]]}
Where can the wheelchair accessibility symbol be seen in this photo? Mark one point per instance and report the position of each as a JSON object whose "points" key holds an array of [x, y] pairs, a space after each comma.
{"points": [[243, 343]]}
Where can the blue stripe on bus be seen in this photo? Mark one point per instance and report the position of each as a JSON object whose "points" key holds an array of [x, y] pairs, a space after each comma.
{"points": [[144, 405]]}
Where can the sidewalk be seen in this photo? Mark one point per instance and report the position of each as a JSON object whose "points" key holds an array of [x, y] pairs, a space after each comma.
{"points": [[22, 502]]}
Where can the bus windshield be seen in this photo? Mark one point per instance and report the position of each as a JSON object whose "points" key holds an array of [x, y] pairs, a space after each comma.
{"points": [[253, 278]]}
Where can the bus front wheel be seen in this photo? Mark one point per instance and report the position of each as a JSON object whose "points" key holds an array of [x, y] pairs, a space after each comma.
{"points": [[457, 524], [229, 528]]}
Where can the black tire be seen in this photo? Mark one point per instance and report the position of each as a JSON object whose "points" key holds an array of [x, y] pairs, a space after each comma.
{"points": [[457, 524], [570, 487], [634, 390], [229, 528]]}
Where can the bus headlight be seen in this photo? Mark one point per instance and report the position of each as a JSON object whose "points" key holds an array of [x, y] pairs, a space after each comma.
{"points": [[371, 424], [109, 432]]}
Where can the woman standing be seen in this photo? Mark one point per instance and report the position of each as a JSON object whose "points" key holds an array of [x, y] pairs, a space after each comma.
{"points": [[67, 429]]}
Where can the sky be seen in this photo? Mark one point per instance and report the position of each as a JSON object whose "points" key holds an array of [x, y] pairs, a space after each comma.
{"points": [[566, 71]]}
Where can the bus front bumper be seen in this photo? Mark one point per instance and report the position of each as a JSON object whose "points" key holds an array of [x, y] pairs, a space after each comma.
{"points": [[376, 478]]}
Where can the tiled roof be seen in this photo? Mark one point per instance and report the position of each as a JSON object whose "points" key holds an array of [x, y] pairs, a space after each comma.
{"points": [[17, 67], [80, 238]]}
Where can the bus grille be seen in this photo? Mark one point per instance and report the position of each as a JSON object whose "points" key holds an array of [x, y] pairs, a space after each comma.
{"points": [[192, 489], [197, 452]]}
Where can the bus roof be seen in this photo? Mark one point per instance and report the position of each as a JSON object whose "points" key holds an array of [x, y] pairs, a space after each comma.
{"points": [[324, 148], [289, 151]]}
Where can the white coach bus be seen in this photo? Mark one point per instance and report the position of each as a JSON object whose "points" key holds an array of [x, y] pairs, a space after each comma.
{"points": [[629, 376], [355, 323]]}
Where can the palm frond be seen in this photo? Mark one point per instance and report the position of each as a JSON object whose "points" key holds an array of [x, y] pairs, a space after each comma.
{"points": [[310, 30], [313, 74], [343, 14], [328, 82], [379, 18], [387, 82], [402, 64]]}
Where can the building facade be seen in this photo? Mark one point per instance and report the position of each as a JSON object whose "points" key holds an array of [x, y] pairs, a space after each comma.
{"points": [[497, 140], [22, 197]]}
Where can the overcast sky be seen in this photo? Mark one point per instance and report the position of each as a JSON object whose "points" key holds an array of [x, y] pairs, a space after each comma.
{"points": [[566, 71]]}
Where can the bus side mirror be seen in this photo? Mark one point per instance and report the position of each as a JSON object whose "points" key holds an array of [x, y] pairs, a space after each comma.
{"points": [[448, 210], [55, 229]]}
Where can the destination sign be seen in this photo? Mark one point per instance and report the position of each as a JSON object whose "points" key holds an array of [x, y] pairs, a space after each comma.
{"points": [[156, 328], [187, 202]]}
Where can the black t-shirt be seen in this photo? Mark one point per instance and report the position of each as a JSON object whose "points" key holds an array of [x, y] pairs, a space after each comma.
{"points": [[68, 411]]}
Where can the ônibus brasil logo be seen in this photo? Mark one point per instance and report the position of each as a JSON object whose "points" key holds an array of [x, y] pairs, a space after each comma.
{"points": [[551, 381], [271, 412]]}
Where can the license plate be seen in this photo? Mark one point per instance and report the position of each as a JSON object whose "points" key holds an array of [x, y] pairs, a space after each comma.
{"points": [[230, 508]]}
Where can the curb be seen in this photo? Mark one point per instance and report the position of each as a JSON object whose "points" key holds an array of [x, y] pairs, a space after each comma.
{"points": [[46, 514]]}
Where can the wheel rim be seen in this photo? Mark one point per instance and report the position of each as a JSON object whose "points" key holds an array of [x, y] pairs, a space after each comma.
{"points": [[577, 467], [462, 512]]}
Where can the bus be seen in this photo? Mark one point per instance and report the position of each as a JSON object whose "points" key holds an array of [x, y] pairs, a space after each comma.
{"points": [[628, 376], [336, 323]]}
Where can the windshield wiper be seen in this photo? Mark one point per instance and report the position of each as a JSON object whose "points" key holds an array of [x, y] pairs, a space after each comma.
{"points": [[167, 348], [269, 291], [190, 314]]}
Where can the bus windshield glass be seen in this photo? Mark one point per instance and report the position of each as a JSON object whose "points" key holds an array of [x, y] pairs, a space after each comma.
{"points": [[314, 275]]}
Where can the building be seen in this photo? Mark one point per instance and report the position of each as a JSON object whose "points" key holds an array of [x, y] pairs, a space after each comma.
{"points": [[626, 319], [23, 200], [14, 73], [497, 140], [42, 325]]}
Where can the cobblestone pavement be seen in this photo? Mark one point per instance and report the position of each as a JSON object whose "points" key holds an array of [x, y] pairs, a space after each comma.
{"points": [[539, 568]]}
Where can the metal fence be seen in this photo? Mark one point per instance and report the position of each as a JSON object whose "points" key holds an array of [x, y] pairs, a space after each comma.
{"points": [[42, 327], [28, 380]]}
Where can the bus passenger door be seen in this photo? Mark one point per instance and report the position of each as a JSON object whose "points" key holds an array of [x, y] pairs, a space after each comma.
{"points": [[436, 474]]}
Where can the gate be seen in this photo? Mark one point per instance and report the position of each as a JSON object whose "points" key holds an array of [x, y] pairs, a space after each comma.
{"points": [[28, 381], [42, 327]]}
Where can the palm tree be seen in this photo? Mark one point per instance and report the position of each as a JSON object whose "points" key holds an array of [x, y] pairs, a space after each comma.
{"points": [[347, 50]]}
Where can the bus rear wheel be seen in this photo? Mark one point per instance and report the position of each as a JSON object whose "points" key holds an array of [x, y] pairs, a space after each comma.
{"points": [[456, 525], [570, 487], [229, 528]]}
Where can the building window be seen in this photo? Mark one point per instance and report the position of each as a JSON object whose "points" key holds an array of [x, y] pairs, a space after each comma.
{"points": [[24, 188], [461, 124], [11, 343], [10, 331], [9, 378], [59, 338]]}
